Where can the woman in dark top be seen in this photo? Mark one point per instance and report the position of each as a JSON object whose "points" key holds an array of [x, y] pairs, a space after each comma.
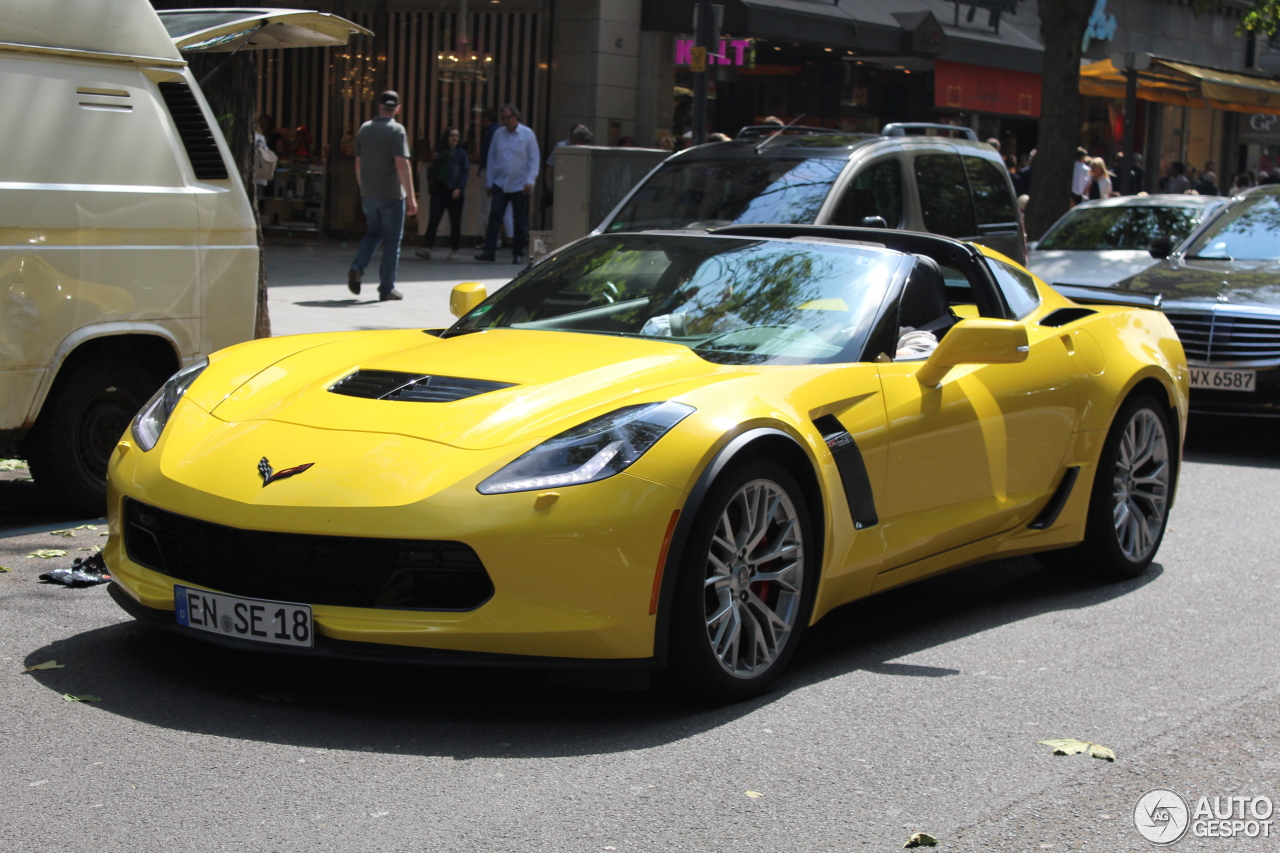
{"points": [[446, 182]]}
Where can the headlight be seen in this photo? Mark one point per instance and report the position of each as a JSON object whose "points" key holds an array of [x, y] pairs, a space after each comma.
{"points": [[150, 422], [593, 451]]}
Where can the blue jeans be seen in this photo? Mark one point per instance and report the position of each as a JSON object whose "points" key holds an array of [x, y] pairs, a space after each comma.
{"points": [[519, 202], [385, 218]]}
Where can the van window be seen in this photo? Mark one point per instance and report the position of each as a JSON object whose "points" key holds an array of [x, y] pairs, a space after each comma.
{"points": [[875, 191], [1018, 287], [991, 199], [944, 195]]}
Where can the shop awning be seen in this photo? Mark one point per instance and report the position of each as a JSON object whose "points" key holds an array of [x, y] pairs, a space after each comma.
{"points": [[1168, 81]]}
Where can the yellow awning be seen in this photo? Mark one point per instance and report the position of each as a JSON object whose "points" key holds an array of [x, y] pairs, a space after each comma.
{"points": [[1170, 82]]}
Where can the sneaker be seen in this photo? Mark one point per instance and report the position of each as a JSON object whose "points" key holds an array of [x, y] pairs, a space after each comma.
{"points": [[453, 256], [425, 254], [391, 297], [353, 281], [484, 256]]}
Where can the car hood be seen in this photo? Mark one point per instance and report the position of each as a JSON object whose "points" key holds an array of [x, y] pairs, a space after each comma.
{"points": [[1230, 282], [1094, 269], [557, 380]]}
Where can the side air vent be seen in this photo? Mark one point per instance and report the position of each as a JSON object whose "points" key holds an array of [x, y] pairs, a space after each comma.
{"points": [[412, 387], [202, 148], [1063, 316]]}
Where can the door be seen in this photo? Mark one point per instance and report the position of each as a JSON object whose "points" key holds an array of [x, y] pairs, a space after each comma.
{"points": [[968, 198], [875, 190], [978, 454]]}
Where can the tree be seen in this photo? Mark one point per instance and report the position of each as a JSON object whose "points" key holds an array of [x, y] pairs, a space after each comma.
{"points": [[232, 96], [1063, 23]]}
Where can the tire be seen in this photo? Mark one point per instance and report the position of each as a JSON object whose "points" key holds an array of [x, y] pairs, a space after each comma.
{"points": [[732, 633], [1129, 505], [78, 428]]}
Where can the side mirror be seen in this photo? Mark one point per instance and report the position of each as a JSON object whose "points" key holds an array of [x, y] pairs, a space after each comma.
{"points": [[874, 222], [1161, 248], [466, 296], [977, 341]]}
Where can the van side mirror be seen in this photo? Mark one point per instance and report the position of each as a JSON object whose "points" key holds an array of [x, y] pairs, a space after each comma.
{"points": [[1161, 248], [980, 340], [466, 296], [874, 222]]}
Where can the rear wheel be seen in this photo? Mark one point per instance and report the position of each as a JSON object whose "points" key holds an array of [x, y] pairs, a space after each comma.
{"points": [[1129, 504], [79, 425], [745, 588]]}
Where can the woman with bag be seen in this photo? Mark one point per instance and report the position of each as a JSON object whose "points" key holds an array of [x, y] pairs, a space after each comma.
{"points": [[447, 181]]}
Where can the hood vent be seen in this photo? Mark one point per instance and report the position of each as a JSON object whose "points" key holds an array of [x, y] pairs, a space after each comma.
{"points": [[202, 148], [412, 387]]}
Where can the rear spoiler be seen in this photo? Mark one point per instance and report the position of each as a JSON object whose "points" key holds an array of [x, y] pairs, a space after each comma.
{"points": [[1095, 295]]}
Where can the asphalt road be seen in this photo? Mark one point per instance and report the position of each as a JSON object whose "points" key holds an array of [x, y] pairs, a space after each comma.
{"points": [[917, 710]]}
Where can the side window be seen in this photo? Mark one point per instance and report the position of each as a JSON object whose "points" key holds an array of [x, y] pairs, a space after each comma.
{"points": [[991, 199], [875, 191], [944, 195], [1018, 287]]}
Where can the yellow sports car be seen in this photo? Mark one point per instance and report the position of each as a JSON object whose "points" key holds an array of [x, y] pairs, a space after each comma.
{"points": [[650, 450]]}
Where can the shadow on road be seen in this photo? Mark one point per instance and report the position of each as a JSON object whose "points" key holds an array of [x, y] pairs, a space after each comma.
{"points": [[1251, 442], [171, 682]]}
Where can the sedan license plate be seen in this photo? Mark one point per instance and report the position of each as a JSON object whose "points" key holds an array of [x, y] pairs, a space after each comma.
{"points": [[1220, 379], [253, 619]]}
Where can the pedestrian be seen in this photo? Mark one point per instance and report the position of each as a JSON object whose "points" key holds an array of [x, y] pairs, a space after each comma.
{"points": [[579, 134], [994, 143], [386, 194], [1242, 183], [1080, 173], [491, 126], [1208, 183], [447, 183], [1022, 184], [1099, 185], [1176, 181], [511, 174]]}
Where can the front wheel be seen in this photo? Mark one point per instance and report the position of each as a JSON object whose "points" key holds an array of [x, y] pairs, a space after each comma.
{"points": [[1132, 489], [745, 588]]}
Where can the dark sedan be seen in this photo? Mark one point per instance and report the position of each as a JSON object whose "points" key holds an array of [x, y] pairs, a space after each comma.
{"points": [[1221, 290]]}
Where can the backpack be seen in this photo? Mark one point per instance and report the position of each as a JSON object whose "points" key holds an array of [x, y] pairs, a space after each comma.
{"points": [[264, 162]]}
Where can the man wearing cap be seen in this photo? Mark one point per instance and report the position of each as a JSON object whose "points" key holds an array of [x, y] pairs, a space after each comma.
{"points": [[511, 171], [386, 194]]}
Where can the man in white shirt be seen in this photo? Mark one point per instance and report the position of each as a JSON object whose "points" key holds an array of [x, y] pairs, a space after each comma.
{"points": [[511, 173], [1080, 173]]}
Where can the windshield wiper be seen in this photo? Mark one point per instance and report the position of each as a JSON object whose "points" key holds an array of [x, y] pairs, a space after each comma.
{"points": [[1207, 258]]}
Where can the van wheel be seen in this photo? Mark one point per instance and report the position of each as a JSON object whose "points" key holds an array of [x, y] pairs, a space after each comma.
{"points": [[746, 584], [79, 425]]}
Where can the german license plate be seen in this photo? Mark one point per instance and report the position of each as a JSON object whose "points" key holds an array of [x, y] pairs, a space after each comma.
{"points": [[253, 619], [1221, 379]]}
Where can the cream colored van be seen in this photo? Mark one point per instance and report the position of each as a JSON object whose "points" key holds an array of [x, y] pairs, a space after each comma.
{"points": [[128, 246]]}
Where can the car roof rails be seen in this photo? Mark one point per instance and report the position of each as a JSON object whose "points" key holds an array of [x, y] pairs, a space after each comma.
{"points": [[912, 128], [755, 131]]}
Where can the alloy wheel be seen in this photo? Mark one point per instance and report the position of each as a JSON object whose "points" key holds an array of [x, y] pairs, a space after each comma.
{"points": [[1140, 485], [754, 579]]}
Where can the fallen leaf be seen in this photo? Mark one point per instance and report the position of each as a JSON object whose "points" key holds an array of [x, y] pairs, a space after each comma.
{"points": [[1071, 746], [920, 839], [754, 794], [68, 533], [95, 548], [71, 697], [86, 527], [47, 553], [12, 465], [5, 569], [49, 664], [104, 533], [277, 697]]}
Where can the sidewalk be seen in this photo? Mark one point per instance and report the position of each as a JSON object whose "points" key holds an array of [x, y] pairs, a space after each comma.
{"points": [[307, 288]]}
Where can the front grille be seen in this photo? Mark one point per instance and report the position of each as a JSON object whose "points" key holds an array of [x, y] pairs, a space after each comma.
{"points": [[412, 387], [1217, 336], [197, 138], [347, 571]]}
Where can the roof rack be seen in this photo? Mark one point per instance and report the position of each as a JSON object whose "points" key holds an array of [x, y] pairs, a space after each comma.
{"points": [[912, 128], [755, 131]]}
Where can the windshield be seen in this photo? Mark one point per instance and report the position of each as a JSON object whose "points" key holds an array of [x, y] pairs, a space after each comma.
{"points": [[708, 193], [1098, 228], [1248, 231], [730, 300]]}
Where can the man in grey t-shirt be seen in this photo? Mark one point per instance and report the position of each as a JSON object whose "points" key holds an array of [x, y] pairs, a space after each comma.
{"points": [[386, 194]]}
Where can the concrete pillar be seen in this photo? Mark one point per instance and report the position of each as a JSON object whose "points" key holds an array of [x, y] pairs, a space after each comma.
{"points": [[595, 57], [655, 107]]}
